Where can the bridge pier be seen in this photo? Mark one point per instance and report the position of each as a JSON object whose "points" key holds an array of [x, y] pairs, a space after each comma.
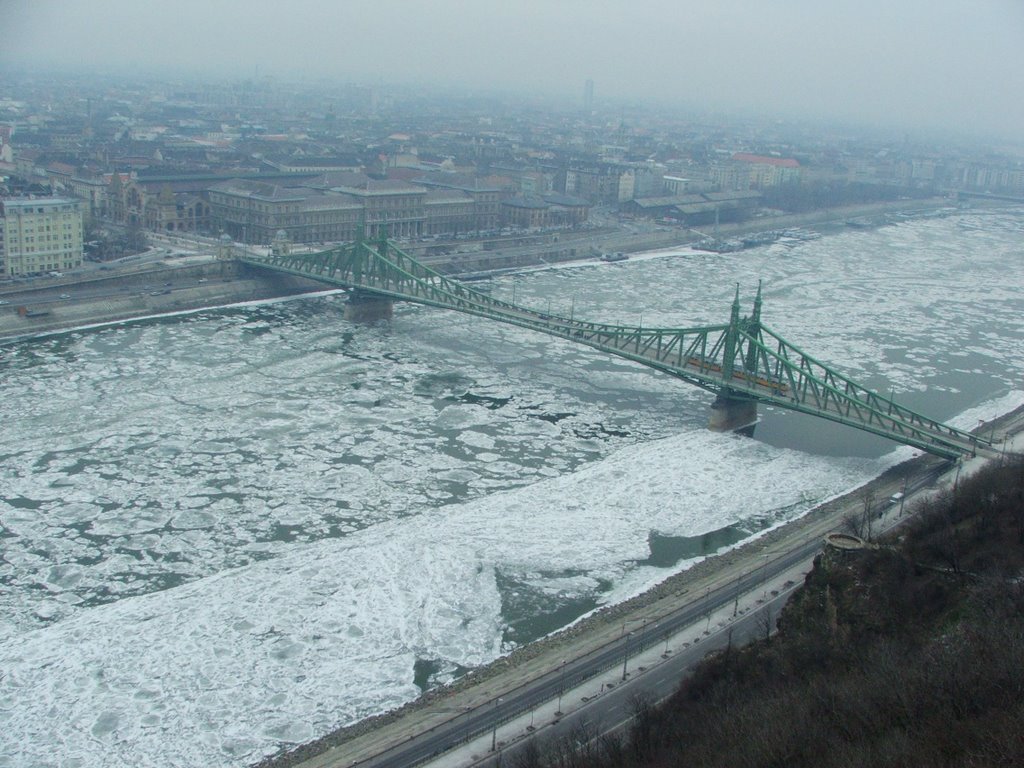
{"points": [[368, 308], [733, 414]]}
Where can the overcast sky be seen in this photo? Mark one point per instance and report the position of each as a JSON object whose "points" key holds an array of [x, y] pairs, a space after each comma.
{"points": [[956, 64]]}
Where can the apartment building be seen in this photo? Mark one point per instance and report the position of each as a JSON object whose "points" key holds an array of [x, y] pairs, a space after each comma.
{"points": [[40, 235]]}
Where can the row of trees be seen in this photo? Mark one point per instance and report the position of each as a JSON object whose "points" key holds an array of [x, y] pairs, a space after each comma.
{"points": [[105, 241]]}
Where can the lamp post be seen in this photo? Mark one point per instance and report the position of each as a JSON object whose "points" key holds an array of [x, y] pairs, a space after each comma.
{"points": [[561, 689], [625, 639], [494, 733], [764, 576], [625, 655]]}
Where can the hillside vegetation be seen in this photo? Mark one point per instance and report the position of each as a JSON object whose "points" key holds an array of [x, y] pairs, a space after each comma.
{"points": [[908, 654]]}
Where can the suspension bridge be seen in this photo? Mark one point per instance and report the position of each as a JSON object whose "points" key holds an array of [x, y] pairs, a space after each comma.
{"points": [[743, 362]]}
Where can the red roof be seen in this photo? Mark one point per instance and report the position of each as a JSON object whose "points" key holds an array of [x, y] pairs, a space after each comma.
{"points": [[782, 162]]}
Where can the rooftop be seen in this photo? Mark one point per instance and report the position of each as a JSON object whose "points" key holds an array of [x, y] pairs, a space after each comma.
{"points": [[258, 189], [781, 162], [37, 202]]}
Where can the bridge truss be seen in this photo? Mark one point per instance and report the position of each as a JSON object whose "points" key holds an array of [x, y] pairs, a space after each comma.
{"points": [[742, 360]]}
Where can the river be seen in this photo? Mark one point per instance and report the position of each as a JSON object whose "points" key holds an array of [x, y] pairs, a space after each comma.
{"points": [[239, 529]]}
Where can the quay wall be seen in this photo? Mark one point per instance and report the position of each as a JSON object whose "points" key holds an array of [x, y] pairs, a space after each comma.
{"points": [[114, 296], [127, 292]]}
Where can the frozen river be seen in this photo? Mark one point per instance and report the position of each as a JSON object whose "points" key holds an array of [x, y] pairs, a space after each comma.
{"points": [[240, 529]]}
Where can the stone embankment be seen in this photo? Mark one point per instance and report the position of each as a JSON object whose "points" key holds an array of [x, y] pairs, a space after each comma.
{"points": [[642, 236], [54, 304], [47, 305]]}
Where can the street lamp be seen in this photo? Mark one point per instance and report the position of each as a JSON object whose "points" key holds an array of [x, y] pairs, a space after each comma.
{"points": [[561, 689], [625, 655], [494, 733], [764, 577]]}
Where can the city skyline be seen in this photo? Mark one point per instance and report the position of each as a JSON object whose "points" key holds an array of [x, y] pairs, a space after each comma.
{"points": [[950, 65]]}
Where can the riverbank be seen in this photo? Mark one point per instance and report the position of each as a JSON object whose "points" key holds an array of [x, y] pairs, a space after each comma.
{"points": [[120, 294], [113, 296]]}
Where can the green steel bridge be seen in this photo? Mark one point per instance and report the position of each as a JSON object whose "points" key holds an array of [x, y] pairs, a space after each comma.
{"points": [[743, 361]]}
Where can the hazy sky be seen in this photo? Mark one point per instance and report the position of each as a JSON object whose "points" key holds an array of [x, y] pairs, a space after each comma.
{"points": [[938, 63]]}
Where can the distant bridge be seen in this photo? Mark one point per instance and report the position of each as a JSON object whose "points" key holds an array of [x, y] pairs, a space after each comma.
{"points": [[743, 362]]}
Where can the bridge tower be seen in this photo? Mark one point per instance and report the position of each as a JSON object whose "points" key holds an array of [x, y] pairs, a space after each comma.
{"points": [[225, 248], [280, 245], [732, 411], [366, 306]]}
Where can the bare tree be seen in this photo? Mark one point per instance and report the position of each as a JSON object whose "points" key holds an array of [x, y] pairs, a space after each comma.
{"points": [[765, 624]]}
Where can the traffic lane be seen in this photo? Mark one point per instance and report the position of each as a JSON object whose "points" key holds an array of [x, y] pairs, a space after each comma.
{"points": [[616, 705], [484, 718], [614, 709], [74, 293]]}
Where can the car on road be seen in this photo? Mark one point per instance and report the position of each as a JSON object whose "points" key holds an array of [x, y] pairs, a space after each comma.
{"points": [[65, 295]]}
